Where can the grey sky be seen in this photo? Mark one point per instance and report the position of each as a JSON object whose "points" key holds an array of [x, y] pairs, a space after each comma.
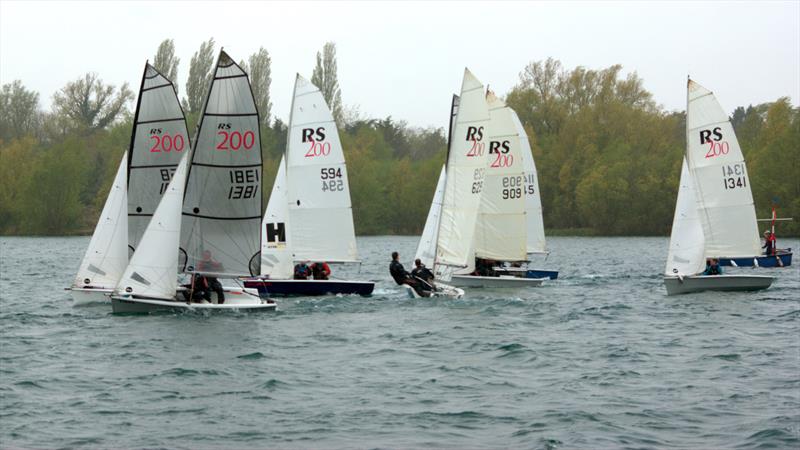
{"points": [[405, 59]]}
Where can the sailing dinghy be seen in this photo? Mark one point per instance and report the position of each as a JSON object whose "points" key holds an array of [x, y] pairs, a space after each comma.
{"points": [[107, 254], [309, 216], [211, 211], [714, 213], [501, 227], [465, 169]]}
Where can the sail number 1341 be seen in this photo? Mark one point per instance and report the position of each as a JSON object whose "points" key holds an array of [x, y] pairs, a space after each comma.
{"points": [[734, 176]]}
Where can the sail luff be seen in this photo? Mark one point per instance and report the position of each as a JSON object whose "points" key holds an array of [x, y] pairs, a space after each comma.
{"points": [[687, 243], [276, 248], [426, 249]]}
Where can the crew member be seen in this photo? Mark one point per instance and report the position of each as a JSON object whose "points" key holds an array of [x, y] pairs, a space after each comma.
{"points": [[209, 265], [712, 267], [301, 271], [320, 270]]}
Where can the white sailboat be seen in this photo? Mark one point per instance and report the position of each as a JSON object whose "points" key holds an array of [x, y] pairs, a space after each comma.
{"points": [[107, 254], [501, 227], [211, 210], [464, 175], [714, 213], [309, 217]]}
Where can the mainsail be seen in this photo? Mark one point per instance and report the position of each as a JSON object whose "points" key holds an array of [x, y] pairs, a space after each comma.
{"points": [[158, 141], [320, 213], [426, 249], [107, 254], [500, 232], [686, 243], [276, 251], [222, 205], [533, 199], [152, 271], [717, 165], [466, 168]]}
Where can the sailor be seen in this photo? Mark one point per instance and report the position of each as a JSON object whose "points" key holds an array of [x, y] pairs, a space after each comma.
{"points": [[301, 271], [209, 265], [320, 270], [421, 272], [399, 273], [769, 243], [712, 267]]}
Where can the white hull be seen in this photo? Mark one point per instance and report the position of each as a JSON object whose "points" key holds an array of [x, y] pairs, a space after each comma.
{"points": [[235, 300], [87, 296], [496, 282], [698, 283], [442, 290]]}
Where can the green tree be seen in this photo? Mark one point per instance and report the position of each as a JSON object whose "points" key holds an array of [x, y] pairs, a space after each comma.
{"points": [[167, 62], [19, 111], [260, 69], [326, 79], [200, 74]]}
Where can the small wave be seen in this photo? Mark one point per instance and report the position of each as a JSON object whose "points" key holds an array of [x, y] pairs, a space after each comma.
{"points": [[181, 372], [728, 357], [771, 438], [272, 384], [28, 383], [252, 356]]}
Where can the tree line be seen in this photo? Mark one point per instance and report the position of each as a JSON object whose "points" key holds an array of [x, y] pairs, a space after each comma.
{"points": [[608, 156]]}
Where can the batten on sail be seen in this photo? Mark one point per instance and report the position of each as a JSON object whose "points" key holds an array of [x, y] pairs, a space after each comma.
{"points": [[725, 200], [107, 254], [222, 205], [158, 141], [466, 168], [320, 212]]}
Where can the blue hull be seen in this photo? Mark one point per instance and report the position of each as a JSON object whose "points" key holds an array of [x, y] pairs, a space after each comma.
{"points": [[763, 261], [552, 274], [267, 287]]}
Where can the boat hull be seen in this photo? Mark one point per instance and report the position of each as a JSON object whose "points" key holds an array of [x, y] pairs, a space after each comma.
{"points": [[87, 296], [442, 290], [699, 283], [528, 273], [496, 282], [779, 260], [235, 300], [267, 287]]}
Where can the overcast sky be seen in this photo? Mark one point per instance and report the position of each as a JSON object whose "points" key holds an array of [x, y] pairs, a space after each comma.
{"points": [[406, 59]]}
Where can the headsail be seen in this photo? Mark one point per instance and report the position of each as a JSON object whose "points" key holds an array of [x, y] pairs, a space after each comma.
{"points": [[533, 198], [686, 243], [466, 168], [276, 250], [158, 141], [320, 212], [152, 271], [220, 233], [725, 200], [500, 231], [426, 249], [107, 254]]}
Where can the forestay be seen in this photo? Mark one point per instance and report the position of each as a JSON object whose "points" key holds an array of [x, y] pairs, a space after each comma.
{"points": [[153, 269], [466, 168], [320, 213], [107, 254], [686, 244], [500, 232], [727, 213], [533, 200], [222, 207], [276, 251], [158, 140], [426, 249]]}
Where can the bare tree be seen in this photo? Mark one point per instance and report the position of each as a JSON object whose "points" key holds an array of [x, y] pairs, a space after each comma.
{"points": [[261, 78], [166, 62], [19, 111], [325, 78], [89, 104], [200, 74]]}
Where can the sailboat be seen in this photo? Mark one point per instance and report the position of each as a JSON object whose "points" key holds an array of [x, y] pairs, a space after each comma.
{"points": [[210, 213], [502, 224], [309, 217], [158, 140], [450, 226], [714, 213], [781, 258], [107, 254]]}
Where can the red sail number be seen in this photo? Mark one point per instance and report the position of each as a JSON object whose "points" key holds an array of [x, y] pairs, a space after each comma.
{"points": [[234, 140], [167, 143], [717, 148], [318, 149]]}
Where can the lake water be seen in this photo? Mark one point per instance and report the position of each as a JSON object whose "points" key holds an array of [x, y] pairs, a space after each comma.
{"points": [[599, 358]]}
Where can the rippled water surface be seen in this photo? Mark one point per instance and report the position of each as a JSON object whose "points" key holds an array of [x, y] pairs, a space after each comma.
{"points": [[599, 358]]}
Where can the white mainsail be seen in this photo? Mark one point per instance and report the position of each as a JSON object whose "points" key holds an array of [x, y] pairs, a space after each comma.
{"points": [[158, 141], [501, 230], [320, 213], [107, 254], [222, 207], [426, 249], [533, 199], [276, 251], [717, 165], [686, 243], [466, 168], [153, 269]]}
